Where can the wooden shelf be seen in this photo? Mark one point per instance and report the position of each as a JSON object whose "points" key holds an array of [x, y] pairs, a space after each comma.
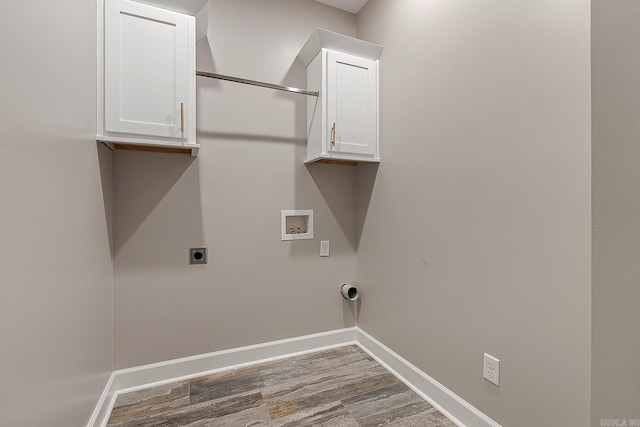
{"points": [[341, 162], [192, 151]]}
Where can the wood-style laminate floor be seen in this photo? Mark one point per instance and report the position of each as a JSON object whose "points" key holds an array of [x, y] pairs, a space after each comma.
{"points": [[341, 387]]}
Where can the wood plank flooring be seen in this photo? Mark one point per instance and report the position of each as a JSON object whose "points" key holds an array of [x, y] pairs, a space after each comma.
{"points": [[342, 387]]}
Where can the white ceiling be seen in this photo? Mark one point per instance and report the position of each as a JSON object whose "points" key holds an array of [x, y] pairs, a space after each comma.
{"points": [[352, 6]]}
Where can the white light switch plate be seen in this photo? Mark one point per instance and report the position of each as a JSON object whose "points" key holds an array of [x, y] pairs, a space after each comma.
{"points": [[324, 248]]}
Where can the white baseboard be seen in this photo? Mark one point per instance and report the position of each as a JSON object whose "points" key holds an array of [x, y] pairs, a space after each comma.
{"points": [[450, 404], [102, 411], [130, 379]]}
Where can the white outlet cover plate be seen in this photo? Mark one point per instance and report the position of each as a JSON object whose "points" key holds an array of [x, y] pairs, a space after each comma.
{"points": [[491, 369]]}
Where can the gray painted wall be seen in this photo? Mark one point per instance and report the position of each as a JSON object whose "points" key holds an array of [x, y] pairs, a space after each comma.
{"points": [[56, 324], [255, 287], [616, 209], [477, 233], [483, 196]]}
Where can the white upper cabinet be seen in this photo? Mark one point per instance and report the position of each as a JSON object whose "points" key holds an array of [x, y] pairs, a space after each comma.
{"points": [[343, 121], [148, 78]]}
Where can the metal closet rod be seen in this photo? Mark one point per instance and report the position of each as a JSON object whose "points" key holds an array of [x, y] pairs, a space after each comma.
{"points": [[256, 83]]}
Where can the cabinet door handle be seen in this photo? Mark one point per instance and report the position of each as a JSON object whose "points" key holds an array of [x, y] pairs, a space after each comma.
{"points": [[333, 134], [182, 117]]}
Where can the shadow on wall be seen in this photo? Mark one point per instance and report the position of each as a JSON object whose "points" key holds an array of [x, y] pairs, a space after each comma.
{"points": [[350, 312], [295, 77], [144, 180], [242, 137], [204, 57], [366, 178], [105, 161], [328, 178], [333, 181]]}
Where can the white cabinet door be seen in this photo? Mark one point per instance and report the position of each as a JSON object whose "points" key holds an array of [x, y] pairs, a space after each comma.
{"points": [[147, 65], [352, 104]]}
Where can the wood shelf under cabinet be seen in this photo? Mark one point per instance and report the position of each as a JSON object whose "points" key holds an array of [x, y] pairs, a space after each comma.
{"points": [[340, 161], [191, 151]]}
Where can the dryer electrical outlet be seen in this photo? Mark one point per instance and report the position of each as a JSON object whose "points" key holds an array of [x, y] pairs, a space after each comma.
{"points": [[197, 256]]}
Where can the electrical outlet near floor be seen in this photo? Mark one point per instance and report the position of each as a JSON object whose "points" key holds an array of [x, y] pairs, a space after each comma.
{"points": [[491, 370]]}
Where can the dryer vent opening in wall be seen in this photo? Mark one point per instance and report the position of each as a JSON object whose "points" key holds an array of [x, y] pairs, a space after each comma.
{"points": [[349, 292]]}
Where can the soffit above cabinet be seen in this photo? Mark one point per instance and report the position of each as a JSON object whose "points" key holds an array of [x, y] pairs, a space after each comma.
{"points": [[322, 38], [352, 6], [197, 8]]}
